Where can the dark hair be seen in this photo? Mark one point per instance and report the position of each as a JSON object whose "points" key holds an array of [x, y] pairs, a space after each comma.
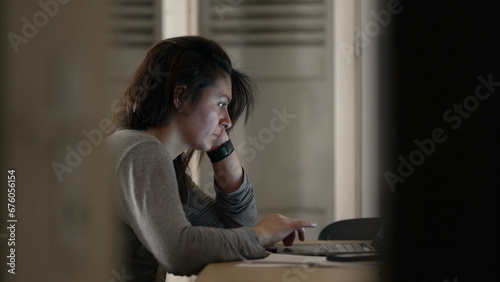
{"points": [[193, 61]]}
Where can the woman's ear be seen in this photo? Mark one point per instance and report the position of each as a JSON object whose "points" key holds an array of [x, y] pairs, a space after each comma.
{"points": [[179, 96]]}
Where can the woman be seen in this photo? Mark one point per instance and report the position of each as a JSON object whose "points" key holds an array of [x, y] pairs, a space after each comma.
{"points": [[185, 96]]}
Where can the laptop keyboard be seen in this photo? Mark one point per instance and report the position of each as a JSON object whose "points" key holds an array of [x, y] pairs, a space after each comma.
{"points": [[336, 248]]}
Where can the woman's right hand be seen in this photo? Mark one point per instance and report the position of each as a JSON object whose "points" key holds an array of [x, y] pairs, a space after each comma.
{"points": [[276, 227]]}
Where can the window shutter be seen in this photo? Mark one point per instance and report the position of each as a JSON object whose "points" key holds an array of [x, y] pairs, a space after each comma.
{"points": [[135, 23], [265, 37], [267, 23], [135, 27]]}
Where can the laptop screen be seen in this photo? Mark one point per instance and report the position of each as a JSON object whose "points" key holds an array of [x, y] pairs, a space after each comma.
{"points": [[377, 241]]}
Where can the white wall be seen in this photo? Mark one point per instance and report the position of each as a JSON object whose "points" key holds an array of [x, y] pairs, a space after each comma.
{"points": [[356, 115]]}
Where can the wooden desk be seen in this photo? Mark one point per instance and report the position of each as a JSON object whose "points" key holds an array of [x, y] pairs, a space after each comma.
{"points": [[228, 271]]}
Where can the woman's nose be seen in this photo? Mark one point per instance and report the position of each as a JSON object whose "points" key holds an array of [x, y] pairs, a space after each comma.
{"points": [[225, 121]]}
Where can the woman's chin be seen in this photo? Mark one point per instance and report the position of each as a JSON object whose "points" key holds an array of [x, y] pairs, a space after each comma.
{"points": [[207, 146]]}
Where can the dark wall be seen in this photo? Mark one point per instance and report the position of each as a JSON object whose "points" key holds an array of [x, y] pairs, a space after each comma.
{"points": [[442, 164]]}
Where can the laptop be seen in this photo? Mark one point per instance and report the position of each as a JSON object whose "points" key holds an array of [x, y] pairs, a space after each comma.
{"points": [[333, 249]]}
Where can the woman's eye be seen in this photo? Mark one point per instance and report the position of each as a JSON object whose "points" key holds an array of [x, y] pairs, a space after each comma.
{"points": [[222, 104]]}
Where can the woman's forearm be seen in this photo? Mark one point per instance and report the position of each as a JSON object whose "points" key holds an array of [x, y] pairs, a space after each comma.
{"points": [[228, 173]]}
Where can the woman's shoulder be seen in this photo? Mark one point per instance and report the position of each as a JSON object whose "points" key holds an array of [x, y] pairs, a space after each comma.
{"points": [[130, 135], [129, 140]]}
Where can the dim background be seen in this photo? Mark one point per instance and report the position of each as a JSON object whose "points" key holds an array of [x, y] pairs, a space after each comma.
{"points": [[359, 81]]}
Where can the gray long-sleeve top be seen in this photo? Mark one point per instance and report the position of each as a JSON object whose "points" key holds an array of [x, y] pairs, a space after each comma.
{"points": [[181, 238]]}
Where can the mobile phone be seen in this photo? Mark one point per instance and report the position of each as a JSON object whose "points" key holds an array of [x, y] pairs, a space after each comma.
{"points": [[354, 257]]}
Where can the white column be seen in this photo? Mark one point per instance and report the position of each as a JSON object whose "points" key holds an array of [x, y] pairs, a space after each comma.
{"points": [[369, 112], [179, 18], [346, 146]]}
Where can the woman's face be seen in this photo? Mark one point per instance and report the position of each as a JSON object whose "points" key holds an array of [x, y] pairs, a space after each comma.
{"points": [[204, 123]]}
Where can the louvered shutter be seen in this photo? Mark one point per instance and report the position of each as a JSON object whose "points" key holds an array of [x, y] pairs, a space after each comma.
{"points": [[267, 23], [136, 26], [287, 47], [266, 36], [136, 23]]}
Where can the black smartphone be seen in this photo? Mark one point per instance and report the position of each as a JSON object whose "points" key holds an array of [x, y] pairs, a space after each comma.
{"points": [[354, 257]]}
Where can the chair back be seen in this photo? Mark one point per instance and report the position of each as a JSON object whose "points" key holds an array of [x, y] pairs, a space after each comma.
{"points": [[351, 229]]}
